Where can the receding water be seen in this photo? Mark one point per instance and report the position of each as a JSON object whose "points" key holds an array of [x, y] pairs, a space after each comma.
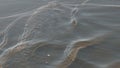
{"points": [[59, 34]]}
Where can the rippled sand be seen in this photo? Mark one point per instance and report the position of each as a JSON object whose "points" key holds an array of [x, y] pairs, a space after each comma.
{"points": [[62, 34]]}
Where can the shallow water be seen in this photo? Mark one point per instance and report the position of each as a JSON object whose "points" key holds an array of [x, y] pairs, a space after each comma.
{"points": [[59, 34]]}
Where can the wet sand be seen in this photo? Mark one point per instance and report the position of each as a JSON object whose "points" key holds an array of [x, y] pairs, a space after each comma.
{"points": [[59, 34]]}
